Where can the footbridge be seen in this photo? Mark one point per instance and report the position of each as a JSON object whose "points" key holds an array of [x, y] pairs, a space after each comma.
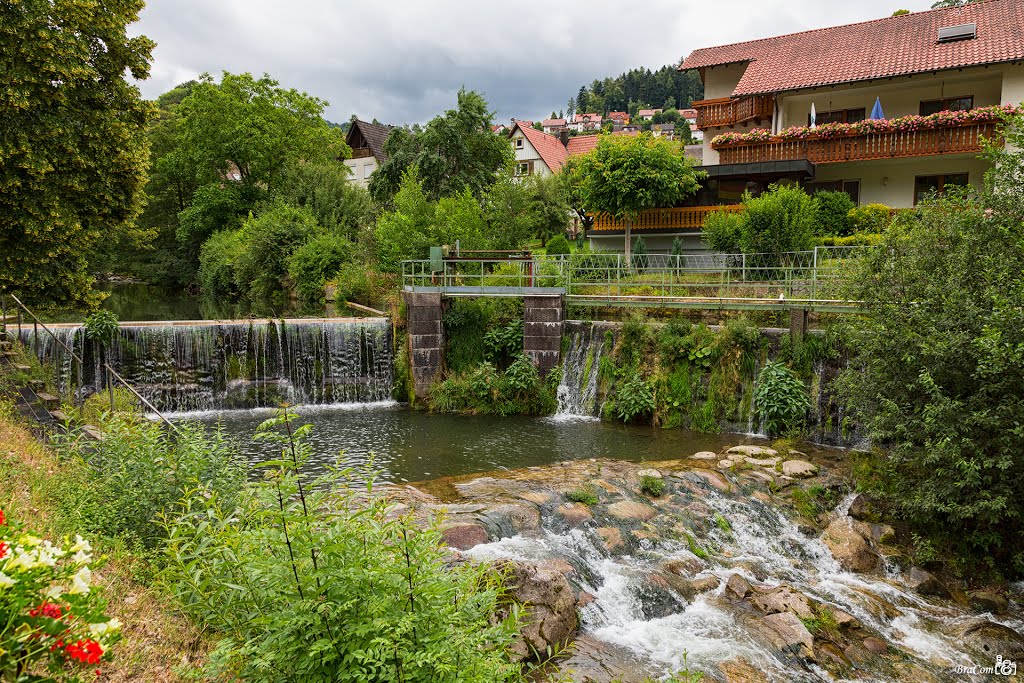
{"points": [[799, 283]]}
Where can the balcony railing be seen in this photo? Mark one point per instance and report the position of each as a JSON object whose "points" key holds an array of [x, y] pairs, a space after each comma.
{"points": [[682, 218], [957, 139], [727, 111], [361, 153]]}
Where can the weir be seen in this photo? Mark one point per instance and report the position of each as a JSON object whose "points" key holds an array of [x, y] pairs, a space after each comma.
{"points": [[207, 365]]}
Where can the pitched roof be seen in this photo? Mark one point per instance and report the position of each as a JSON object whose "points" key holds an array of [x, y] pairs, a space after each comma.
{"points": [[374, 134], [549, 147], [893, 46], [547, 123], [581, 144]]}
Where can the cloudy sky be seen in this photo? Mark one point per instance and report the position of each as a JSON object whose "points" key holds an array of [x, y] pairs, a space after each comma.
{"points": [[402, 61]]}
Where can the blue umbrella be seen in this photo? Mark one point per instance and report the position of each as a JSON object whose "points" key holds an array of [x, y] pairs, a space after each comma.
{"points": [[876, 111]]}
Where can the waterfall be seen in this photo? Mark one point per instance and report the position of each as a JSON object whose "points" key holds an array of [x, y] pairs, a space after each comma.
{"points": [[578, 390], [200, 366]]}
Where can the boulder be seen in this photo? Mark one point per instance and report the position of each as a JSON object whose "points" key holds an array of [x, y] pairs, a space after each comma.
{"points": [[737, 587], [753, 451], [762, 462], [875, 646], [992, 639], [861, 508], [686, 566], [575, 514], [510, 519], [550, 618], [705, 455], [925, 583], [787, 633], [464, 536], [783, 599], [799, 469], [726, 464], [988, 601], [612, 538], [661, 595], [739, 670], [849, 548], [631, 511], [648, 473], [715, 479]]}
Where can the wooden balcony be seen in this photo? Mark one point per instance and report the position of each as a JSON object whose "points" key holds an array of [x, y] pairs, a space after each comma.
{"points": [[728, 111], [361, 153], [959, 139], [686, 218]]}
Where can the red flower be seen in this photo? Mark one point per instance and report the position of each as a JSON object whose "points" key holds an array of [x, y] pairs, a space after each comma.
{"points": [[3, 520], [87, 651], [47, 609], [3, 550]]}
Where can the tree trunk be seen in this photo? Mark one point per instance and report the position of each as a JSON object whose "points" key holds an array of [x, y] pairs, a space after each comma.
{"points": [[629, 243]]}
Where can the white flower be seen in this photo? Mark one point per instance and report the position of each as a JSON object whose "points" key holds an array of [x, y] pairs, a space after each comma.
{"points": [[81, 558], [53, 592], [23, 560], [80, 581], [105, 628], [81, 545], [6, 581]]}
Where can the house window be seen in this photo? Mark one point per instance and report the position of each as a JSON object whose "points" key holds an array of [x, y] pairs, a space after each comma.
{"points": [[837, 116], [524, 168], [367, 170], [948, 104], [850, 187], [519, 143], [925, 185]]}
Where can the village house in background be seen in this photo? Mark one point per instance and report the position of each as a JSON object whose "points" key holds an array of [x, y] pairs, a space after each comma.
{"points": [[647, 114], [539, 153], [367, 143], [955, 60], [553, 126], [582, 123], [757, 125]]}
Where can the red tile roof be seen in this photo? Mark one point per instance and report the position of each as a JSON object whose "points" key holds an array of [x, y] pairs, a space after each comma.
{"points": [[549, 147], [581, 144], [548, 123], [893, 46]]}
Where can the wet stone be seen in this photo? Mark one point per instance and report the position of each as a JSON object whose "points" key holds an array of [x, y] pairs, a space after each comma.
{"points": [[464, 536], [737, 587], [988, 601], [705, 455], [632, 511], [800, 469], [753, 451]]}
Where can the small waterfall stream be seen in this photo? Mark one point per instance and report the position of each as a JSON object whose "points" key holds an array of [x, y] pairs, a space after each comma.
{"points": [[578, 390], [765, 547], [206, 366]]}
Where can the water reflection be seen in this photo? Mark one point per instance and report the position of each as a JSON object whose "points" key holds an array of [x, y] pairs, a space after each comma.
{"points": [[408, 445]]}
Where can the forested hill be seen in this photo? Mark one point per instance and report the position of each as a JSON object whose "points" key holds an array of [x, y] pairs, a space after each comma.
{"points": [[639, 88]]}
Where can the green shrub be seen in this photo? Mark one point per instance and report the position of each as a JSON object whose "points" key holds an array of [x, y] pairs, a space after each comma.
{"points": [[652, 486], [723, 231], [316, 260], [832, 212], [344, 589], [139, 472], [872, 218], [634, 397], [100, 326], [504, 343], [217, 259], [780, 220], [268, 242], [860, 239], [558, 245], [780, 399], [640, 258], [584, 495]]}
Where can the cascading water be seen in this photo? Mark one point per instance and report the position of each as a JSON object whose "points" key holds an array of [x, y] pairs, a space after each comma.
{"points": [[185, 367], [757, 541], [578, 390]]}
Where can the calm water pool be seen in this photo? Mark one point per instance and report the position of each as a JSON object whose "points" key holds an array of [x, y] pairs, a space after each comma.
{"points": [[408, 445]]}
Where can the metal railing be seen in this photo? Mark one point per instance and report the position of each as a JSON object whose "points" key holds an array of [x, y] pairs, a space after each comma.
{"points": [[111, 373], [792, 277]]}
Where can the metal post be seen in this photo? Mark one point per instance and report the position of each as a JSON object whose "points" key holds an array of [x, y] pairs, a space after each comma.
{"points": [[744, 275], [814, 276], [110, 388]]}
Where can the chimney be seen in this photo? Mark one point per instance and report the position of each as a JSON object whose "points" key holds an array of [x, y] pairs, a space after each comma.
{"points": [[563, 136]]}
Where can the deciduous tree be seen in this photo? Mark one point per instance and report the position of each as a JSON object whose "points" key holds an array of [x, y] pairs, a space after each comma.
{"points": [[624, 176], [72, 141]]}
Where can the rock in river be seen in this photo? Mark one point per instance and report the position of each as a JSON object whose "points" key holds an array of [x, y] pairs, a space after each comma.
{"points": [[848, 547], [550, 607]]}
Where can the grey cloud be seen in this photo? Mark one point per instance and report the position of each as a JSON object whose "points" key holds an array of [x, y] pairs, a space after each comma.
{"points": [[402, 61]]}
